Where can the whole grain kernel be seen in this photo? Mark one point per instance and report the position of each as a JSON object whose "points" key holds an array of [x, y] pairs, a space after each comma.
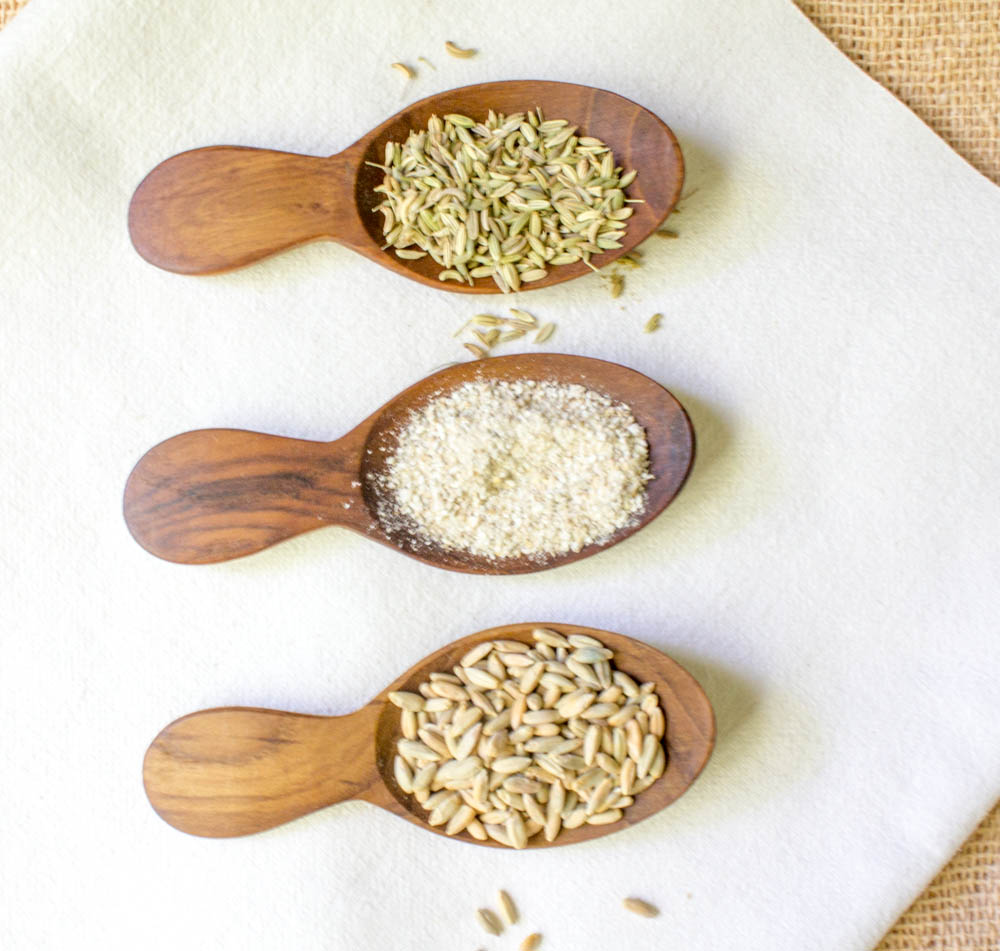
{"points": [[489, 921], [508, 908], [640, 907]]}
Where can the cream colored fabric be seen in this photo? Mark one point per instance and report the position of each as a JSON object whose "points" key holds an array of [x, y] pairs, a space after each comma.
{"points": [[942, 59]]}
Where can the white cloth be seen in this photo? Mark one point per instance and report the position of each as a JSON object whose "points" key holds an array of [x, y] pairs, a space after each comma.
{"points": [[829, 573]]}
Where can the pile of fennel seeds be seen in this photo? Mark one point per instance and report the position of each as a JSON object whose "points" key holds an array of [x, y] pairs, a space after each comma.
{"points": [[507, 198]]}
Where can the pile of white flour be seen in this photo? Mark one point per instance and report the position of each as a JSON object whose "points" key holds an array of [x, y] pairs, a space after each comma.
{"points": [[505, 469]]}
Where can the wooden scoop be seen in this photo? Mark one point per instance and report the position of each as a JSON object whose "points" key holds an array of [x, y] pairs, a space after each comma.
{"points": [[217, 208], [214, 494], [237, 770]]}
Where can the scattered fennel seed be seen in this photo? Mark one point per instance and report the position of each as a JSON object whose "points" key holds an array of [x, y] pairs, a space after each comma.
{"points": [[489, 920], [653, 323], [405, 70], [489, 330], [458, 52], [546, 331]]}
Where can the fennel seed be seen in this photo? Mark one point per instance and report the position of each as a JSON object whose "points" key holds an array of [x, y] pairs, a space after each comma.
{"points": [[458, 52], [505, 199], [489, 920], [545, 332]]}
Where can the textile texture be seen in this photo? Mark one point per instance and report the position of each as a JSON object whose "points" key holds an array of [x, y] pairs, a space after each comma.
{"points": [[943, 60]]}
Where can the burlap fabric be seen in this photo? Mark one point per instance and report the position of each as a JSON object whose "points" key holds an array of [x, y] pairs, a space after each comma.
{"points": [[942, 58], [8, 8]]}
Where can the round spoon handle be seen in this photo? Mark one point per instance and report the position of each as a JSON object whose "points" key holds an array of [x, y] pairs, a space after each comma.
{"points": [[214, 494], [237, 770], [221, 207]]}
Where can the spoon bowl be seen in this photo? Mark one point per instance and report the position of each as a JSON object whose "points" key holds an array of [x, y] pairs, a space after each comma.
{"points": [[214, 494], [233, 771], [213, 209]]}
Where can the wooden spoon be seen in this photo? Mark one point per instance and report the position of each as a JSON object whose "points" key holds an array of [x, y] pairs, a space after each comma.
{"points": [[217, 208], [214, 494], [237, 770]]}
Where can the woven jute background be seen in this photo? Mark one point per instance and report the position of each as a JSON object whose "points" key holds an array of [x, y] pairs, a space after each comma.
{"points": [[941, 58]]}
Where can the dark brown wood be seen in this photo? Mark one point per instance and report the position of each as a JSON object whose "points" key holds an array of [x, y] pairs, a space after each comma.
{"points": [[214, 494], [237, 770], [217, 208]]}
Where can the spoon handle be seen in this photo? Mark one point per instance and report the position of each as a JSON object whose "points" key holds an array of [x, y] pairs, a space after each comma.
{"points": [[217, 208], [214, 494], [238, 770]]}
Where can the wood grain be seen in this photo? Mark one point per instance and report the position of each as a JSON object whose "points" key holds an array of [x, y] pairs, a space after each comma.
{"points": [[221, 207], [215, 494], [237, 770]]}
